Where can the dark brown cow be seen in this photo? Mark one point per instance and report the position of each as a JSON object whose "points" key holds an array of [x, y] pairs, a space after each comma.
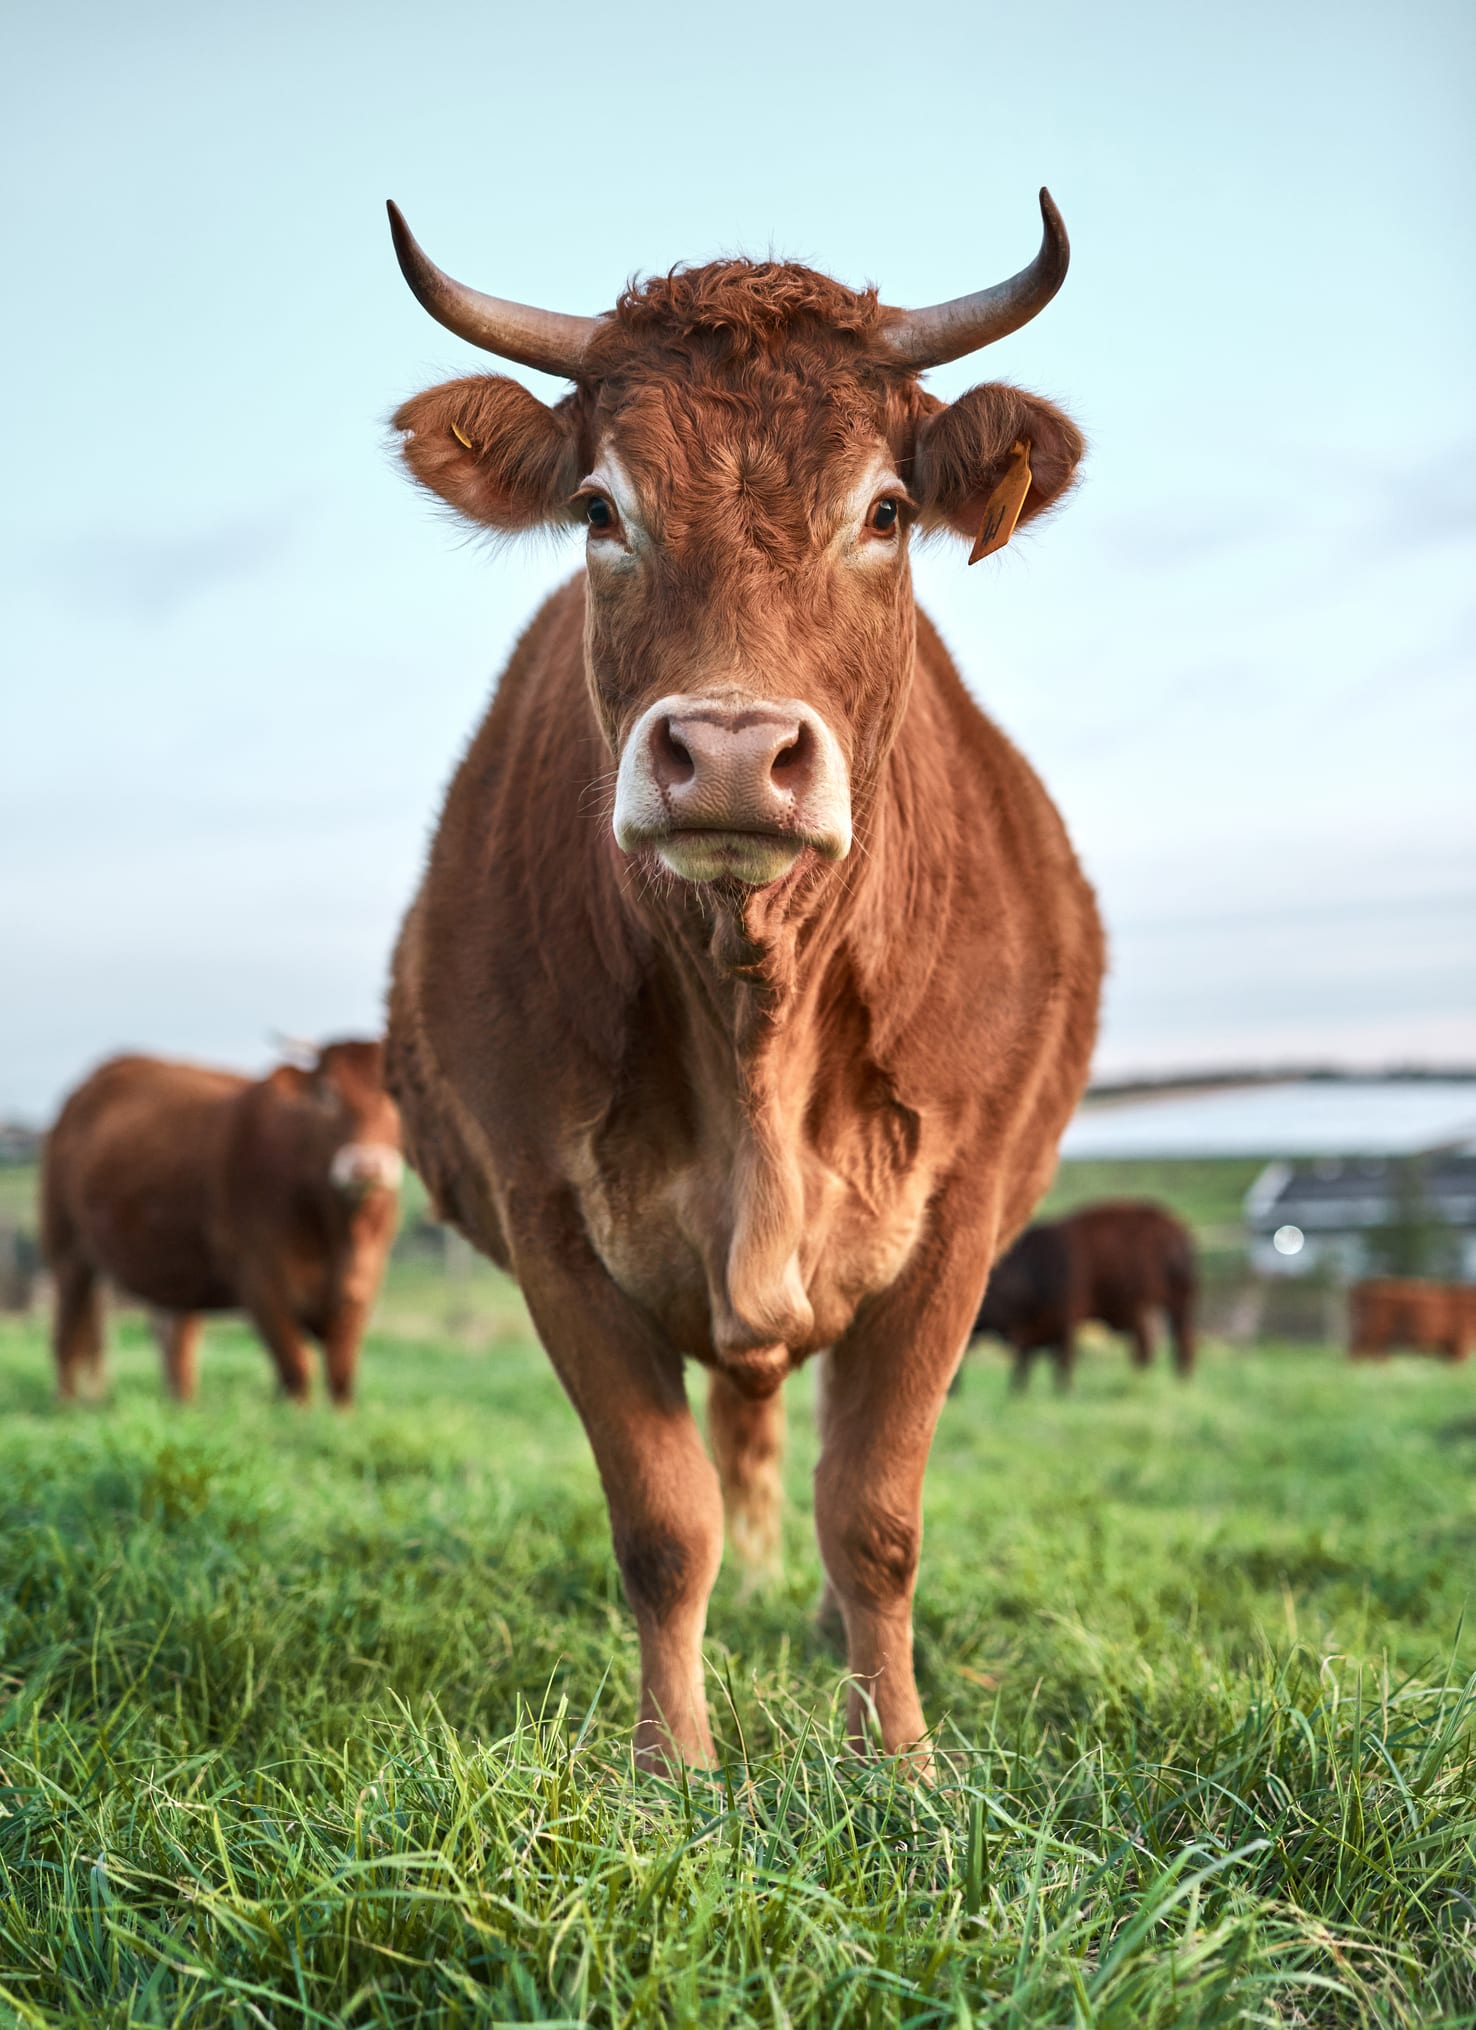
{"points": [[1117, 1263], [752, 978], [197, 1190], [1400, 1311]]}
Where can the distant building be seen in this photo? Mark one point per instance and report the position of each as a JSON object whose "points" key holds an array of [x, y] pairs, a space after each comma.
{"points": [[1330, 1214], [18, 1144], [1342, 1156]]}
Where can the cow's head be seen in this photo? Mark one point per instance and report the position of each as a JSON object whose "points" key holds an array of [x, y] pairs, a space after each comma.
{"points": [[341, 1085], [749, 449]]}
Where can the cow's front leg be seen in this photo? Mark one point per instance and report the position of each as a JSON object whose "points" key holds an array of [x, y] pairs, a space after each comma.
{"points": [[342, 1338], [272, 1316], [666, 1510], [178, 1334], [886, 1384]]}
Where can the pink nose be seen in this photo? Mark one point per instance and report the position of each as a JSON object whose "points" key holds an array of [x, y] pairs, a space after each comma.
{"points": [[724, 786], [745, 766]]}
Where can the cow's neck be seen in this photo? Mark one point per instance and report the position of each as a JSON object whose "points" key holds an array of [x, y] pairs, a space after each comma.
{"points": [[746, 965], [751, 976]]}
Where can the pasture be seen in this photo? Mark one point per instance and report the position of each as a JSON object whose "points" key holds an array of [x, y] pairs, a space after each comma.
{"points": [[318, 1719]]}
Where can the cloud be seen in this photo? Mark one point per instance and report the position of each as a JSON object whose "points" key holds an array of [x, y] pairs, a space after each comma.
{"points": [[149, 577]]}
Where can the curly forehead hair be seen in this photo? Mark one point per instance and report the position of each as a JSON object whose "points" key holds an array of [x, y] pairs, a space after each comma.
{"points": [[733, 309]]}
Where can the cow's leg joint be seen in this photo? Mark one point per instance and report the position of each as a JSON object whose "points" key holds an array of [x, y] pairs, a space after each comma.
{"points": [[876, 1555], [658, 1568]]}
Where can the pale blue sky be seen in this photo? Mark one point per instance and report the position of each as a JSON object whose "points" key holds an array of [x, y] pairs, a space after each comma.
{"points": [[241, 654]]}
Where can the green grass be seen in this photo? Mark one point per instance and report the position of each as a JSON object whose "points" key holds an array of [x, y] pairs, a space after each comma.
{"points": [[323, 1720], [18, 1188]]}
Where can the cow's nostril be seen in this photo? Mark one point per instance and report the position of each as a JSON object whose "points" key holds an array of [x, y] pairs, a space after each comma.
{"points": [[792, 762], [672, 757]]}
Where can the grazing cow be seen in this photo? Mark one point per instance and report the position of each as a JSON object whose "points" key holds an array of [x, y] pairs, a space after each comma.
{"points": [[1117, 1263], [1399, 1311], [197, 1190], [752, 978]]}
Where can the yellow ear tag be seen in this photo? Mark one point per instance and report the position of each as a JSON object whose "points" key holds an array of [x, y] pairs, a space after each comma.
{"points": [[1002, 509], [461, 438]]}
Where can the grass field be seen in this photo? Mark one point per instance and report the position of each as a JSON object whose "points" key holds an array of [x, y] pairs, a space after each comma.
{"points": [[323, 1720], [18, 1194]]}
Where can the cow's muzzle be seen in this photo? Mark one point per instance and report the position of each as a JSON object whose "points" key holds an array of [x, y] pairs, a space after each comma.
{"points": [[361, 1167], [732, 788]]}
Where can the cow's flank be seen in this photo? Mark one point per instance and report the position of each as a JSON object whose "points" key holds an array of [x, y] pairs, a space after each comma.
{"points": [[1389, 1312]]}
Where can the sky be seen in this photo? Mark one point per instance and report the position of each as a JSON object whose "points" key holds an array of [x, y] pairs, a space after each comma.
{"points": [[239, 654]]}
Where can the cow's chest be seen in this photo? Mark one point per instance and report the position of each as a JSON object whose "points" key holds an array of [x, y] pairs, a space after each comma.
{"points": [[305, 1267], [747, 1226], [331, 1259]]}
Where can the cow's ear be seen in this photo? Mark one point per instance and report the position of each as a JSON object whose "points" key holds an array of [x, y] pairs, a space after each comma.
{"points": [[965, 456], [492, 451]]}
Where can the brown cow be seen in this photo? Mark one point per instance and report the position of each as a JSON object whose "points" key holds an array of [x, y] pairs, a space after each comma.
{"points": [[752, 978], [1390, 1311], [1117, 1263], [198, 1190]]}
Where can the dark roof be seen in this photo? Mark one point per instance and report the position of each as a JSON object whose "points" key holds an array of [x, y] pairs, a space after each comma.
{"points": [[1346, 1196]]}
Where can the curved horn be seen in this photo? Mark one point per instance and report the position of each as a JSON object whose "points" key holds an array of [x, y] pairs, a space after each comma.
{"points": [[515, 331], [945, 331]]}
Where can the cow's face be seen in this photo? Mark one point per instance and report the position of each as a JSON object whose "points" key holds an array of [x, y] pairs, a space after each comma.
{"points": [[748, 470], [749, 616], [360, 1123]]}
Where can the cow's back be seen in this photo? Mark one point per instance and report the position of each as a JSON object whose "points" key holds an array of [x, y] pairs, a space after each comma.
{"points": [[1129, 1256], [131, 1180]]}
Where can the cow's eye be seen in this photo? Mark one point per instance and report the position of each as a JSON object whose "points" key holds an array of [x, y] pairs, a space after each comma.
{"points": [[598, 512], [884, 517]]}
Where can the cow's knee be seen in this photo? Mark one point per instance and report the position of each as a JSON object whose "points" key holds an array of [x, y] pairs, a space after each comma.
{"points": [[656, 1567], [870, 1551], [668, 1568]]}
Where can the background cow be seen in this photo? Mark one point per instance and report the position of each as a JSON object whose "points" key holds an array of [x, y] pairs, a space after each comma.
{"points": [[197, 1190], [1400, 1311], [752, 978], [1117, 1263]]}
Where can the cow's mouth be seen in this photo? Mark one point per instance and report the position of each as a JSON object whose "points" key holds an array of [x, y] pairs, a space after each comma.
{"points": [[359, 1168], [702, 853], [732, 788]]}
